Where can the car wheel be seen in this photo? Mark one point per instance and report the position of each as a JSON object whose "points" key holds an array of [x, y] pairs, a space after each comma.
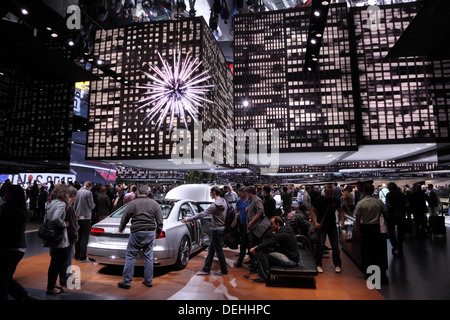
{"points": [[184, 252]]}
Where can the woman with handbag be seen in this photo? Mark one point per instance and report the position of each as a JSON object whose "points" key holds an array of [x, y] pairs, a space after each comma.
{"points": [[56, 213]]}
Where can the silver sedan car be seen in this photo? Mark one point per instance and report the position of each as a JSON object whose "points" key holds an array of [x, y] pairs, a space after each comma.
{"points": [[176, 242]]}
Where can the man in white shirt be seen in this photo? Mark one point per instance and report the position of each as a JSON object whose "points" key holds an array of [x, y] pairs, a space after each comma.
{"points": [[230, 195]]}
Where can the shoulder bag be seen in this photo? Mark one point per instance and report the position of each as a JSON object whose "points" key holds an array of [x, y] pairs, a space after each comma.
{"points": [[50, 232], [313, 233]]}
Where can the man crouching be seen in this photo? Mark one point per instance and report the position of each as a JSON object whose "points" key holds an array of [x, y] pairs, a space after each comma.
{"points": [[281, 249]]}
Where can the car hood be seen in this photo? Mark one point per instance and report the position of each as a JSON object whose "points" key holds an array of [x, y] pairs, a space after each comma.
{"points": [[195, 192]]}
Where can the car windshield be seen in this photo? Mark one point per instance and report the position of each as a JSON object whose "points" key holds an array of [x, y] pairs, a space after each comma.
{"points": [[165, 208]]}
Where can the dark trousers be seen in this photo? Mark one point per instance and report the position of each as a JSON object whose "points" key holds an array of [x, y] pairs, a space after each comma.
{"points": [[9, 259], [63, 274], [83, 238], [332, 233], [254, 241], [396, 236], [373, 247], [245, 242], [420, 220], [216, 247], [57, 262]]}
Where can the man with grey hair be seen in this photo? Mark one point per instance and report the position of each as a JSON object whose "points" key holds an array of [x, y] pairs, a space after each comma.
{"points": [[84, 204], [146, 218]]}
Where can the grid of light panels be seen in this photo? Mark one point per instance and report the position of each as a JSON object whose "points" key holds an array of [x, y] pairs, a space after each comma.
{"points": [[36, 117], [117, 127], [310, 110], [396, 95]]}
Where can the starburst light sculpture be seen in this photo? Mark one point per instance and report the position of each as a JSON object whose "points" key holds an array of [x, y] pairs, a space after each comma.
{"points": [[175, 90]]}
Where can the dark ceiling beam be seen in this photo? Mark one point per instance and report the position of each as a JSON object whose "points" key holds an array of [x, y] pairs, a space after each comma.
{"points": [[317, 21], [428, 34]]}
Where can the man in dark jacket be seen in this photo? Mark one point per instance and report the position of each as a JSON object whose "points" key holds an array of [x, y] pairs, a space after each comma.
{"points": [[269, 203], [146, 218], [280, 250]]}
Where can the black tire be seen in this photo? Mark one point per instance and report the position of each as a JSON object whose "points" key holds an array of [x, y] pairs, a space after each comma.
{"points": [[184, 252]]}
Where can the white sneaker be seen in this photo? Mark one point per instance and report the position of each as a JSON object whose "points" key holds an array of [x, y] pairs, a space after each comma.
{"points": [[338, 269], [319, 269]]}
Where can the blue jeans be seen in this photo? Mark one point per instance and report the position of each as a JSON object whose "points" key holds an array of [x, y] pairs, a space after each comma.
{"points": [[216, 247], [139, 240]]}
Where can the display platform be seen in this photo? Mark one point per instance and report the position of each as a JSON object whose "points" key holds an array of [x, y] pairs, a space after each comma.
{"points": [[100, 282]]}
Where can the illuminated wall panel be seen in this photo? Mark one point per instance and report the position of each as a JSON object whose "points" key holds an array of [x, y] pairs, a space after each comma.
{"points": [[397, 101], [117, 128], [36, 118], [311, 111]]}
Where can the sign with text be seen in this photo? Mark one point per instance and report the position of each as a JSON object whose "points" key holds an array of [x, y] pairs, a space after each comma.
{"points": [[23, 178]]}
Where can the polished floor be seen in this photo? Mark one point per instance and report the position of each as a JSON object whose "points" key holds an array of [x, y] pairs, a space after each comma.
{"points": [[420, 273]]}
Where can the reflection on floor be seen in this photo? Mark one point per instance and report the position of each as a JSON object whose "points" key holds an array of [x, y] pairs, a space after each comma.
{"points": [[420, 273], [100, 282]]}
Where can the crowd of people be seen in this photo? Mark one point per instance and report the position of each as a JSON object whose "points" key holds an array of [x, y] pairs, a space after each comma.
{"points": [[267, 226]]}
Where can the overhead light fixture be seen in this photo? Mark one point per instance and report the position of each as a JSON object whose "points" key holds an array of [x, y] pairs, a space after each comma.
{"points": [[48, 29], [309, 69], [99, 62], [314, 59], [246, 103], [71, 43], [24, 12], [317, 13], [54, 35], [318, 35], [325, 3], [313, 41]]}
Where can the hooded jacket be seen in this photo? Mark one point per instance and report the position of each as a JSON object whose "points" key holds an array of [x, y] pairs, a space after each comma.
{"points": [[218, 210]]}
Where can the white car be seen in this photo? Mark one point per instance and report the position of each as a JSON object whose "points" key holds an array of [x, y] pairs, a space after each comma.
{"points": [[177, 240]]}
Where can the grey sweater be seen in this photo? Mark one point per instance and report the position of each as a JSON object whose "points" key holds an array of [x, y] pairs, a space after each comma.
{"points": [[145, 214], [218, 210], [84, 204]]}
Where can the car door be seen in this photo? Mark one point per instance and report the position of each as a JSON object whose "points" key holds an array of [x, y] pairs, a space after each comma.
{"points": [[205, 223], [193, 226]]}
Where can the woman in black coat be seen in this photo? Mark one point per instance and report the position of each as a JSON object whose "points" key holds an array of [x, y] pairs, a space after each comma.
{"points": [[13, 215]]}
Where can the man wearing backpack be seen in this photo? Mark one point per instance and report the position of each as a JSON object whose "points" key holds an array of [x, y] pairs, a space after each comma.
{"points": [[218, 210]]}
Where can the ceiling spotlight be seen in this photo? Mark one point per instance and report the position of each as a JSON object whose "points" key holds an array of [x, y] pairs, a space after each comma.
{"points": [[313, 41], [325, 3], [245, 103], [48, 29], [24, 12], [99, 61], [309, 68], [54, 35], [317, 13], [314, 59], [71, 43], [318, 35]]}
